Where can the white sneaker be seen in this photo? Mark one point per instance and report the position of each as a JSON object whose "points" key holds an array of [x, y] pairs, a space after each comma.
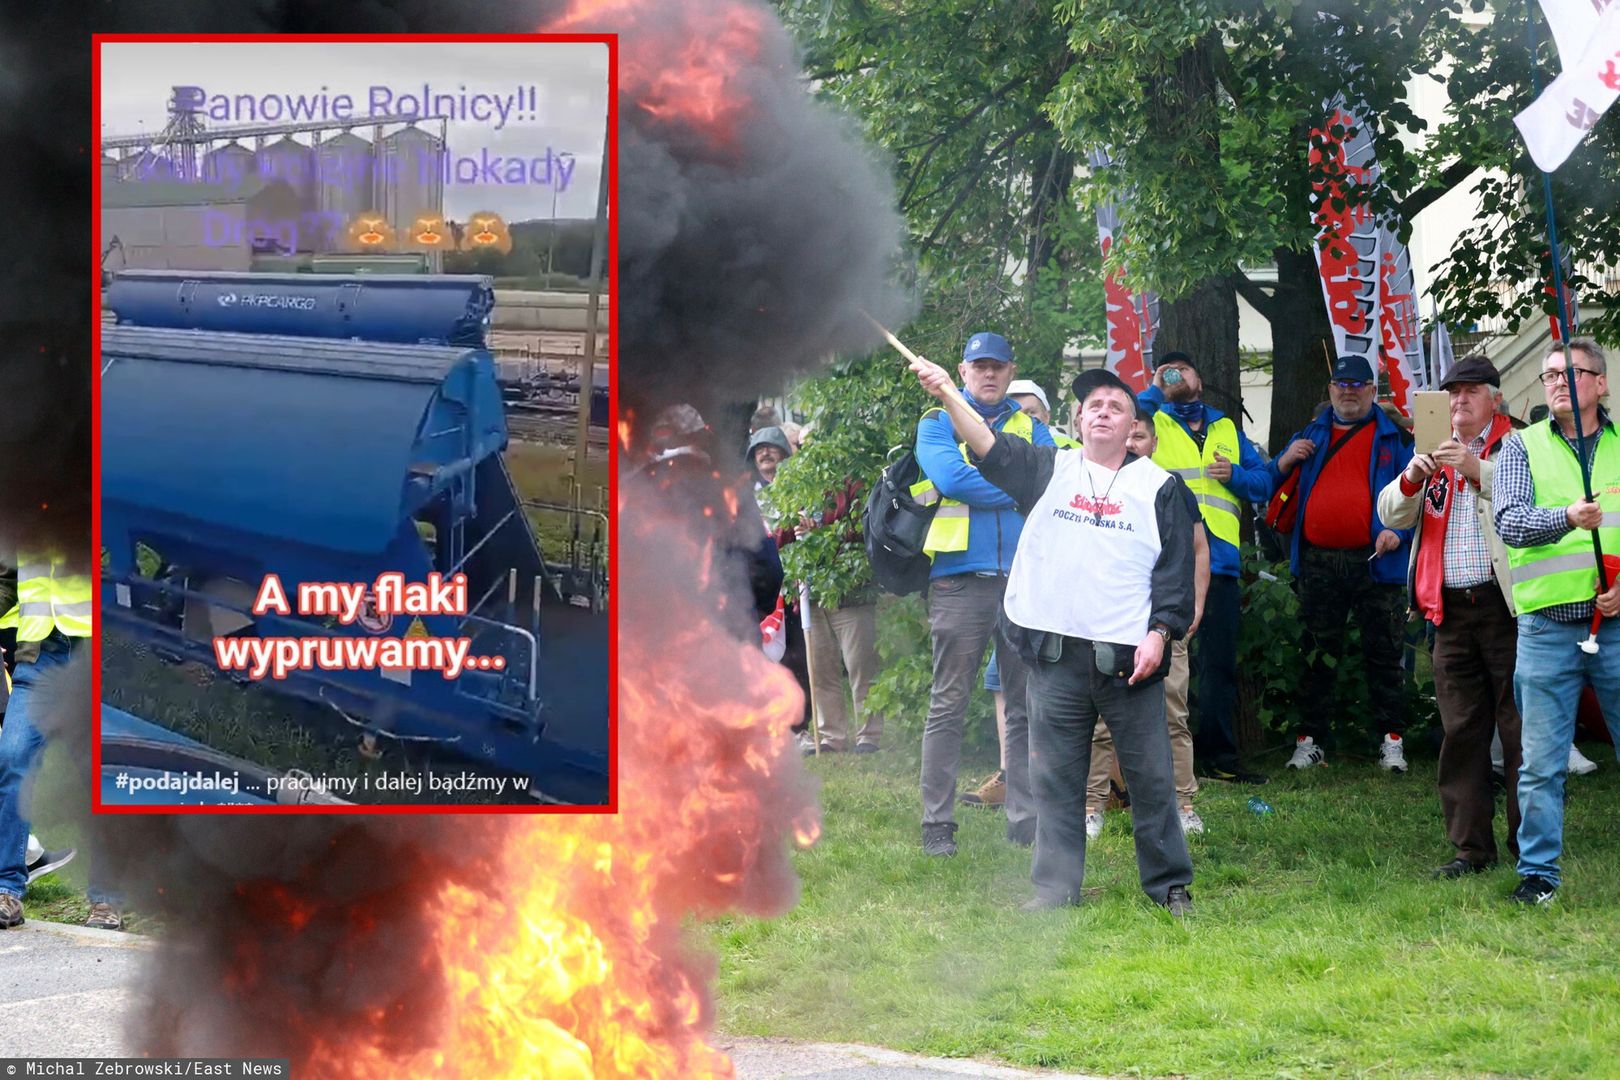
{"points": [[1190, 821], [1094, 825], [1307, 754], [1579, 763], [1392, 755], [806, 745]]}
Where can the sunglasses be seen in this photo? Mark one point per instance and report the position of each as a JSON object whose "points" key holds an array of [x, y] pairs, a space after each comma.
{"points": [[1351, 384]]}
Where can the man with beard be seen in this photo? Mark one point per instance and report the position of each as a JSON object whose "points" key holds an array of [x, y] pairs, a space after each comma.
{"points": [[971, 542], [1208, 450], [1347, 562], [1102, 582]]}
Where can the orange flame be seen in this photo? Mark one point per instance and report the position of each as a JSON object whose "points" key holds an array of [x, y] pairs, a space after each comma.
{"points": [[570, 963], [681, 63]]}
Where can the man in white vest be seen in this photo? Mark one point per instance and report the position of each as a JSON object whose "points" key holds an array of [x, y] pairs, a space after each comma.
{"points": [[1101, 583]]}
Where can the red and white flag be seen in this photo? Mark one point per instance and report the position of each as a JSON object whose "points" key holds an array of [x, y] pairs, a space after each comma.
{"points": [[1556, 122], [1133, 318], [1366, 271], [773, 634]]}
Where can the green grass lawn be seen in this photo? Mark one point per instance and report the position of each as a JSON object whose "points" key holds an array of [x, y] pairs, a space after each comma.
{"points": [[1319, 947]]}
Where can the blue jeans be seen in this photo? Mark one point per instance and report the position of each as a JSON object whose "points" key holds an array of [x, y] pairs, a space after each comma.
{"points": [[1547, 689], [20, 747]]}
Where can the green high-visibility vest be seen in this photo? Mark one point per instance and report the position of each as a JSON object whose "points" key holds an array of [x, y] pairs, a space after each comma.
{"points": [[949, 530], [1566, 572], [1064, 442], [1179, 454], [49, 597]]}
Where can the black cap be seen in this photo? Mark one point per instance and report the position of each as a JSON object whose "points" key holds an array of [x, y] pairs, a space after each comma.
{"points": [[1472, 369], [1096, 378], [1352, 367], [1176, 357]]}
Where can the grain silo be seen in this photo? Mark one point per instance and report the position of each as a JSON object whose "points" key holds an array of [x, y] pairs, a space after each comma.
{"points": [[293, 163], [346, 170], [232, 165], [410, 163]]}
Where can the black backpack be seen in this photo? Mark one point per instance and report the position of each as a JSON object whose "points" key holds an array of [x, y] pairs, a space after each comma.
{"points": [[896, 526]]}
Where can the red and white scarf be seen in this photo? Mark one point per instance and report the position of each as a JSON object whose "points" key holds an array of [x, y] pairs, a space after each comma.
{"points": [[1438, 497]]}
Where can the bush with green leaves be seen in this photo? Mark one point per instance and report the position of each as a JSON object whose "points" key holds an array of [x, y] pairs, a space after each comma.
{"points": [[1272, 657]]}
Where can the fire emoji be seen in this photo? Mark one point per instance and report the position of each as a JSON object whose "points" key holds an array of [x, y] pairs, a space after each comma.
{"points": [[428, 232], [370, 231], [486, 230]]}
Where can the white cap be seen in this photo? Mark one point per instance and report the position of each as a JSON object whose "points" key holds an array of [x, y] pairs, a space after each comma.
{"points": [[1032, 388]]}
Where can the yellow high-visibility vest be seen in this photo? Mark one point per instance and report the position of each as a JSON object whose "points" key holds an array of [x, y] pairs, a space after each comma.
{"points": [[1179, 454], [949, 530], [49, 598], [1565, 572]]}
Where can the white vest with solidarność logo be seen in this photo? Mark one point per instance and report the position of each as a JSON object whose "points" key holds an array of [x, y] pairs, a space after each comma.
{"points": [[1085, 560]]}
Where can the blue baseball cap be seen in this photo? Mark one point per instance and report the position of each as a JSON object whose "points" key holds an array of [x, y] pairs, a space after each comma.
{"points": [[1352, 367], [987, 346]]}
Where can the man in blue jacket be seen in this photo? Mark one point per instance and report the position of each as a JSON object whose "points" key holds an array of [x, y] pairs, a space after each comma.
{"points": [[972, 541], [1346, 562], [1208, 450]]}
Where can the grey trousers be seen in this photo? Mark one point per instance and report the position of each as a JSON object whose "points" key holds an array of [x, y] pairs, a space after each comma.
{"points": [[962, 611], [1066, 697], [844, 638]]}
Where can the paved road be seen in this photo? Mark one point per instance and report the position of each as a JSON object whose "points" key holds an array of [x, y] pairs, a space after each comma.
{"points": [[66, 991]]}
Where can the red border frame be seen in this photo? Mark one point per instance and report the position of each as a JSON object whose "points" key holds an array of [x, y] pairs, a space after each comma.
{"points": [[612, 150]]}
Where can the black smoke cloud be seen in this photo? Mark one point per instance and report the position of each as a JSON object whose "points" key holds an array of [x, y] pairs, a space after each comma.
{"points": [[741, 265]]}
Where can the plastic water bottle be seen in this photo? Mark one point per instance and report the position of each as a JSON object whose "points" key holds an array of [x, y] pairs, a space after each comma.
{"points": [[1172, 376], [1259, 805]]}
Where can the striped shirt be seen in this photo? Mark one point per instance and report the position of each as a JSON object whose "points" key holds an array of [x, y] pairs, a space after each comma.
{"points": [[1521, 523], [1468, 554]]}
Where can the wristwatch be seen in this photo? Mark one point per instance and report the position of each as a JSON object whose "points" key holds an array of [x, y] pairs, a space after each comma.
{"points": [[1160, 628]]}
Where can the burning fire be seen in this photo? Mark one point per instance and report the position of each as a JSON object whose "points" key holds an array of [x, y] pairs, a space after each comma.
{"points": [[572, 960], [682, 63]]}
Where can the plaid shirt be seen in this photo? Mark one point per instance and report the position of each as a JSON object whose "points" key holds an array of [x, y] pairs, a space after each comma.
{"points": [[1521, 523], [1468, 555]]}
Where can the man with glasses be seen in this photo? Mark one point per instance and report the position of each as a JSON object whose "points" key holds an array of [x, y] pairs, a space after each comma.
{"points": [[1347, 563], [1548, 524]]}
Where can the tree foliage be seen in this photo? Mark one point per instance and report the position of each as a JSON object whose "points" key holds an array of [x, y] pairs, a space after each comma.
{"points": [[1499, 267]]}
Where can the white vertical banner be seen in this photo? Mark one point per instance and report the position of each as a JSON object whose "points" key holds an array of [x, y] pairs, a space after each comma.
{"points": [[1133, 318], [1349, 244], [1400, 339], [1366, 271]]}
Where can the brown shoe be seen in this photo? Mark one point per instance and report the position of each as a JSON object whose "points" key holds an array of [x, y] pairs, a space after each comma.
{"points": [[993, 792], [104, 917], [10, 911]]}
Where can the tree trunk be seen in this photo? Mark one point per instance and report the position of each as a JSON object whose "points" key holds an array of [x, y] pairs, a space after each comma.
{"points": [[1301, 345], [1204, 325], [1052, 176]]}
